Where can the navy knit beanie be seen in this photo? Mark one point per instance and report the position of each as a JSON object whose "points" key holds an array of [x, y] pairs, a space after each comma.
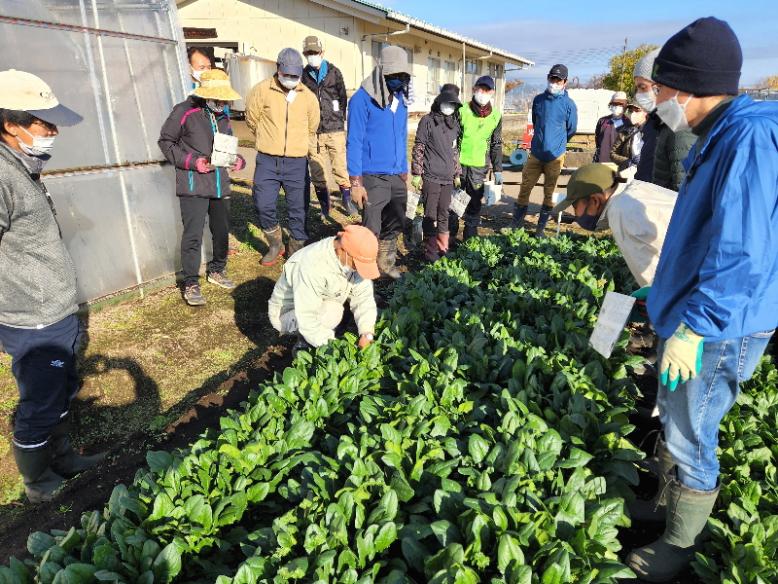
{"points": [[702, 59]]}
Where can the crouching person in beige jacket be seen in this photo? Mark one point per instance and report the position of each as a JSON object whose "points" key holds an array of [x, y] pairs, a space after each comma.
{"points": [[316, 281]]}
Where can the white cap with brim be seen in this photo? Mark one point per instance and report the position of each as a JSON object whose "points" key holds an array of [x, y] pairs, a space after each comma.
{"points": [[22, 91]]}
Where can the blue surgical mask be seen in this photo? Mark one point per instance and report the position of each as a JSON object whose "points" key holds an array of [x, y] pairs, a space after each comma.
{"points": [[395, 84], [588, 222]]}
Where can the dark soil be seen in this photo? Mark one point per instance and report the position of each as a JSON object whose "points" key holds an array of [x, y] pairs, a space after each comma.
{"points": [[92, 489]]}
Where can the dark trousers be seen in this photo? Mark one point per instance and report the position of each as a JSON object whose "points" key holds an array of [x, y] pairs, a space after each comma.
{"points": [[273, 173], [437, 202], [387, 195], [193, 213], [44, 366], [473, 182]]}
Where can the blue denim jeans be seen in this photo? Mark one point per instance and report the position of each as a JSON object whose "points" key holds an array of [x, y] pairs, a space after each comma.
{"points": [[691, 414]]}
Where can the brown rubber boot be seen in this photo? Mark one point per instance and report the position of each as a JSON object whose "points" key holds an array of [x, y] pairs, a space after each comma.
{"points": [[387, 257], [275, 244], [442, 241], [431, 249]]}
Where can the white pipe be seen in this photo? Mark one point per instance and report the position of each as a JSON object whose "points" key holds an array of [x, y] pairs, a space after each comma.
{"points": [[136, 95], [118, 154], [90, 59]]}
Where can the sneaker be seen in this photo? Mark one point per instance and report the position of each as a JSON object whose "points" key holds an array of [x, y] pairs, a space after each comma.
{"points": [[220, 279], [193, 296]]}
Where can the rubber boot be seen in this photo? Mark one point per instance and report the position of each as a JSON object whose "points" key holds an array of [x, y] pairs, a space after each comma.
{"points": [[687, 514], [40, 481], [349, 208], [275, 243], [471, 227], [294, 245], [453, 225], [655, 510], [431, 249], [387, 257], [442, 241], [519, 213], [545, 213], [67, 462], [323, 195]]}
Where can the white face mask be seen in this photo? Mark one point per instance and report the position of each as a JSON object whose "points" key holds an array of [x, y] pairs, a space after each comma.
{"points": [[482, 97], [215, 107], [41, 145], [646, 100], [556, 88], [447, 109], [672, 113], [314, 61], [636, 118], [289, 82], [197, 74], [617, 110]]}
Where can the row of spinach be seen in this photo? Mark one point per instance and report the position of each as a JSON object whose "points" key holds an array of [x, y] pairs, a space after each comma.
{"points": [[480, 439]]}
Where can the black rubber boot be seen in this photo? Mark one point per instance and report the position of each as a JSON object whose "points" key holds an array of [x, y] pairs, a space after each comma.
{"points": [[323, 195], [545, 213], [349, 208], [40, 480], [294, 245], [387, 258], [275, 246], [471, 226], [453, 225], [655, 510], [67, 462], [519, 213]]}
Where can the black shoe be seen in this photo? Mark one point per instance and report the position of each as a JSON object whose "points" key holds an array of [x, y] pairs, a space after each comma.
{"points": [[193, 296], [519, 213]]}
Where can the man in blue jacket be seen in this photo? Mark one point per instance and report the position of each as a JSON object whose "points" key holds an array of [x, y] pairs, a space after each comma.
{"points": [[555, 119], [714, 300], [376, 152]]}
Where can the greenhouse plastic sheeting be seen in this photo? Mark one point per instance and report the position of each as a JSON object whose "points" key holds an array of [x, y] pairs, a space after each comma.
{"points": [[121, 65]]}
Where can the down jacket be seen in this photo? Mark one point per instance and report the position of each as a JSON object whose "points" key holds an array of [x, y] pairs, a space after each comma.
{"points": [[331, 93], [187, 135]]}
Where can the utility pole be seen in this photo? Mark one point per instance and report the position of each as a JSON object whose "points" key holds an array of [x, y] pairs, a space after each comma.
{"points": [[623, 65]]}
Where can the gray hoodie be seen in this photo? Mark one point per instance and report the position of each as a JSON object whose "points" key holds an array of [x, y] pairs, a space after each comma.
{"points": [[37, 275]]}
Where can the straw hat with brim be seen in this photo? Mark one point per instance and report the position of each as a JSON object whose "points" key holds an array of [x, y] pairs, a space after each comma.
{"points": [[588, 180], [25, 92], [214, 84], [361, 244]]}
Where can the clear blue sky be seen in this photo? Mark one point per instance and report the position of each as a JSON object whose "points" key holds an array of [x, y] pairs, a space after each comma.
{"points": [[585, 34]]}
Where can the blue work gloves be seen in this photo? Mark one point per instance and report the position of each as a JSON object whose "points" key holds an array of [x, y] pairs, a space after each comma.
{"points": [[498, 178], [681, 358]]}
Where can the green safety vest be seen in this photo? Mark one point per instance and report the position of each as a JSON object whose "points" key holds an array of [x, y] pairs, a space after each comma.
{"points": [[476, 135]]}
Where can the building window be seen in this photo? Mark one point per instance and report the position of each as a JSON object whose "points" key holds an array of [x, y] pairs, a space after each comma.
{"points": [[494, 70], [451, 73], [473, 67], [433, 76]]}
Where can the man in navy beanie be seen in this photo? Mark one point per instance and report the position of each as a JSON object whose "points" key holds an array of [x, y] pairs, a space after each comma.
{"points": [[714, 299]]}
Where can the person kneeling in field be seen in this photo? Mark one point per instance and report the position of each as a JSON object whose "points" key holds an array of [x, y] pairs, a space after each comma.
{"points": [[317, 280]]}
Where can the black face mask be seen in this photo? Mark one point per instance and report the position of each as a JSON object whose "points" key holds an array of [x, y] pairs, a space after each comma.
{"points": [[397, 83], [588, 222]]}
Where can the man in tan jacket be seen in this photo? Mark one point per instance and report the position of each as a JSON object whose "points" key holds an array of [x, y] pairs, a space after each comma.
{"points": [[283, 115]]}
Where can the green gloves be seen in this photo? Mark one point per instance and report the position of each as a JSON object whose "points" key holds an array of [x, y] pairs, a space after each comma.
{"points": [[416, 182], [641, 293], [682, 357]]}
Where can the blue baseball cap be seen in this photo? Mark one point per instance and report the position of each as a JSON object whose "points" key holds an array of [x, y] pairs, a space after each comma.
{"points": [[486, 81]]}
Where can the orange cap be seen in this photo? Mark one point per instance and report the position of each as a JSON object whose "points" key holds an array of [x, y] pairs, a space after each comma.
{"points": [[360, 243]]}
